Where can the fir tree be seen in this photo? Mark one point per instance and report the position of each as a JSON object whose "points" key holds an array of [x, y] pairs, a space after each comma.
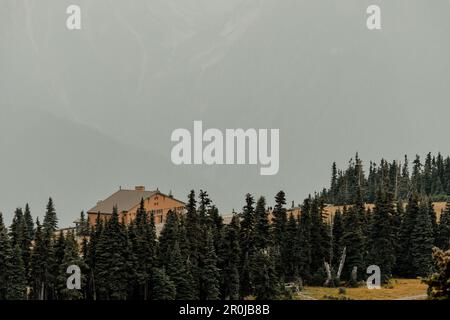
{"points": [[265, 278], [162, 287], [337, 233], [17, 281], [353, 240], [179, 272], [422, 242], [50, 220], [111, 266], [382, 248], [229, 253], [168, 237], [404, 257], [443, 233], [438, 284], [207, 268], [5, 259], [279, 222], [304, 240], [261, 236], [40, 269], [247, 243], [71, 257], [29, 222]]}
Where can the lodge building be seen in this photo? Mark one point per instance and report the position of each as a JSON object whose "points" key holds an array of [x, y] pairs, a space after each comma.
{"points": [[128, 202]]}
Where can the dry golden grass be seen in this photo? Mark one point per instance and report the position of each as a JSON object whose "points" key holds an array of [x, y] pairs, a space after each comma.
{"points": [[398, 289]]}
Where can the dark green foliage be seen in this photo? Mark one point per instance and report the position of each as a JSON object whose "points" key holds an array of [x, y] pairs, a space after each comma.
{"points": [[337, 233], [438, 282], [42, 264], [5, 259], [382, 235], [422, 242], [17, 280], [247, 244], [443, 229], [265, 278], [229, 254], [207, 268], [111, 265], [431, 178], [50, 220], [279, 223], [71, 257], [179, 271], [162, 287], [353, 240]]}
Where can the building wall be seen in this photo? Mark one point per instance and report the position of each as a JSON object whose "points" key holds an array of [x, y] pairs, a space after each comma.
{"points": [[159, 204]]}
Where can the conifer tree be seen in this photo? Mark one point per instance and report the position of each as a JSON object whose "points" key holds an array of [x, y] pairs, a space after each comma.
{"points": [[261, 236], [29, 222], [50, 220], [337, 233], [319, 236], [17, 281], [404, 257], [247, 243], [438, 284], [40, 270], [110, 266], [292, 250], [228, 257], [443, 233], [382, 241], [265, 278], [168, 237], [71, 257], [207, 268], [304, 240], [279, 222], [162, 287], [353, 240], [5, 259], [22, 236], [179, 272], [422, 242]]}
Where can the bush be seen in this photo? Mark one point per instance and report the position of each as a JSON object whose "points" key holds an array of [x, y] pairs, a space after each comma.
{"points": [[342, 290]]}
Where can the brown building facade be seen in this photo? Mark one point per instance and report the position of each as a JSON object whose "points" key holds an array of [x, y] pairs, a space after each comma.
{"points": [[128, 202]]}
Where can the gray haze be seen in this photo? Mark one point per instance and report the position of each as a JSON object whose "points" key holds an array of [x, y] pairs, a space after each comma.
{"points": [[84, 112]]}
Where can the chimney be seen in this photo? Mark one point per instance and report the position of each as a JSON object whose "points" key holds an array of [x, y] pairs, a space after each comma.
{"points": [[139, 188]]}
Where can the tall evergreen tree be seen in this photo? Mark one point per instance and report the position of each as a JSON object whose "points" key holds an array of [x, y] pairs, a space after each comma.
{"points": [[353, 240], [404, 257], [207, 268], [5, 259], [228, 260], [247, 245], [17, 281], [443, 233], [162, 287], [179, 272], [71, 257], [111, 265], [50, 219], [279, 222], [382, 238], [265, 278], [422, 242]]}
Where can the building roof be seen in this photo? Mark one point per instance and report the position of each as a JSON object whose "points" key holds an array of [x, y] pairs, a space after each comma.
{"points": [[125, 200]]}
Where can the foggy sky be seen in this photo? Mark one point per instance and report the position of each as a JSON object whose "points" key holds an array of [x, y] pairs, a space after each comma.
{"points": [[84, 112]]}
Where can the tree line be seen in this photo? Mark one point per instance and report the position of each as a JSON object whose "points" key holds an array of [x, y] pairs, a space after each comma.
{"points": [[197, 256], [430, 178]]}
